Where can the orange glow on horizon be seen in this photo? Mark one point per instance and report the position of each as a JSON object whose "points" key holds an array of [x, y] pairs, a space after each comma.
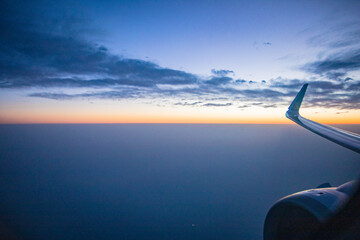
{"points": [[161, 120], [114, 112]]}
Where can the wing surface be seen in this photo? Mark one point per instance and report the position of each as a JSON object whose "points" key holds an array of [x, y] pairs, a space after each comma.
{"points": [[344, 138]]}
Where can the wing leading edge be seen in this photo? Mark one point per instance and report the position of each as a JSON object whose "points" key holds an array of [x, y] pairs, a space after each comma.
{"points": [[344, 138]]}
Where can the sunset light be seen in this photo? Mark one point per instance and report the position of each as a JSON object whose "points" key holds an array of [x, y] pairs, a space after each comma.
{"points": [[177, 62]]}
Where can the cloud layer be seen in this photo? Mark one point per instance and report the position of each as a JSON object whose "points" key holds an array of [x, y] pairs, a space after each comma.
{"points": [[45, 54]]}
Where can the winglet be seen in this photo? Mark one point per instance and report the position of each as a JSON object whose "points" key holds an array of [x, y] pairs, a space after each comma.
{"points": [[293, 110]]}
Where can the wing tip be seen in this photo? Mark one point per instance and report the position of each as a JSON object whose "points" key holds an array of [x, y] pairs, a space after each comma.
{"points": [[294, 107]]}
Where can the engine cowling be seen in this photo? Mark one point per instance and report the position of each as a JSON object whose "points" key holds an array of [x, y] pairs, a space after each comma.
{"points": [[297, 215]]}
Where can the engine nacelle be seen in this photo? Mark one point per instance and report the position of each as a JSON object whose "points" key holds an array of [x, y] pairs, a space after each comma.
{"points": [[297, 215]]}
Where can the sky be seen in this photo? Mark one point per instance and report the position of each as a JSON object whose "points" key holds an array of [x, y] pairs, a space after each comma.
{"points": [[178, 61]]}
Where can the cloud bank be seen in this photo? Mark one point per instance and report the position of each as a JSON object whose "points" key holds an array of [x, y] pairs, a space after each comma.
{"points": [[45, 54]]}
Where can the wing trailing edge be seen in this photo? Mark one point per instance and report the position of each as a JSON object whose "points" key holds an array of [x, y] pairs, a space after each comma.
{"points": [[344, 138]]}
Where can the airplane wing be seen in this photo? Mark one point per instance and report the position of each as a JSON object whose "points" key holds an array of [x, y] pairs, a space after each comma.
{"points": [[344, 138]]}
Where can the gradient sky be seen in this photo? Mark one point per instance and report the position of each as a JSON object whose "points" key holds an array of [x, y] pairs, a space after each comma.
{"points": [[178, 61]]}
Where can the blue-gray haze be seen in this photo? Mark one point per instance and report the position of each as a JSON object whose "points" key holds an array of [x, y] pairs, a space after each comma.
{"points": [[157, 181]]}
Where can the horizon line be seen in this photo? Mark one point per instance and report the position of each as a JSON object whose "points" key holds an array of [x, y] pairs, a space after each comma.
{"points": [[168, 123]]}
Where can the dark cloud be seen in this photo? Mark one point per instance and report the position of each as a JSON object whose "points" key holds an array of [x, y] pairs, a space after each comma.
{"points": [[344, 35], [270, 106], [56, 54], [328, 94], [265, 94], [316, 86], [219, 80], [103, 94], [260, 104], [338, 63], [240, 81], [187, 104], [244, 106], [324, 94], [341, 112], [354, 86], [335, 75], [55, 96], [217, 104], [221, 72], [341, 101], [342, 51], [334, 87]]}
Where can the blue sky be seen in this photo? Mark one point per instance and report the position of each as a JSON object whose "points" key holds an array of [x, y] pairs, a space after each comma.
{"points": [[252, 38], [178, 56]]}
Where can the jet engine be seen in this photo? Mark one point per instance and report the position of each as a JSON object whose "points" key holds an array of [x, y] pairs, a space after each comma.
{"points": [[297, 215]]}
